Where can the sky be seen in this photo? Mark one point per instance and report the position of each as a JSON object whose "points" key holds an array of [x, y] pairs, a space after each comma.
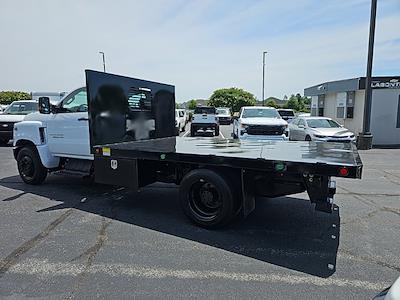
{"points": [[198, 46]]}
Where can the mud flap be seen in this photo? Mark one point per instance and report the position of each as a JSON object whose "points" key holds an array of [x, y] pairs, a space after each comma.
{"points": [[321, 190], [248, 188]]}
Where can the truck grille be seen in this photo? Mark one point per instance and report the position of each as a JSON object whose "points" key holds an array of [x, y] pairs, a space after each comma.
{"points": [[6, 126], [265, 130]]}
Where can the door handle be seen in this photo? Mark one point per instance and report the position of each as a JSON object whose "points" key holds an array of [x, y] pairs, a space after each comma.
{"points": [[83, 119]]}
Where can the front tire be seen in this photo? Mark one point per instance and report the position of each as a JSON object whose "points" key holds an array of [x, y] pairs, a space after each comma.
{"points": [[30, 167], [235, 136], [308, 138], [217, 130], [207, 198]]}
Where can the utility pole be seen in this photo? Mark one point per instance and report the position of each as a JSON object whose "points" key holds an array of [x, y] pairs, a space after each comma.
{"points": [[365, 138], [104, 61], [263, 78]]}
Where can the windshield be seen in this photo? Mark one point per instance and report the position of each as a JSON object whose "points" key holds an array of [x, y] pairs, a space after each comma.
{"points": [[223, 111], [205, 110], [286, 113], [322, 123], [21, 108], [260, 113]]}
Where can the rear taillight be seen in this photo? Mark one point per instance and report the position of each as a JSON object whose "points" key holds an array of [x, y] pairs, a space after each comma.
{"points": [[343, 171]]}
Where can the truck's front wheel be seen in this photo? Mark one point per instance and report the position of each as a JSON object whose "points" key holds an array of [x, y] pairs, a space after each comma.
{"points": [[30, 167], [207, 198]]}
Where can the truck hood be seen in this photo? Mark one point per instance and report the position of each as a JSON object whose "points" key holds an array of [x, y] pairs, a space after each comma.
{"points": [[224, 115], [263, 121], [332, 131], [11, 118]]}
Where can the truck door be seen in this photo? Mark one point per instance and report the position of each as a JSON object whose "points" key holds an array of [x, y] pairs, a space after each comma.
{"points": [[68, 129]]}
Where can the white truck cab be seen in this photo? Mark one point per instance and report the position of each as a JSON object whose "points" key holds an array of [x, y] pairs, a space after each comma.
{"points": [[260, 123], [55, 140]]}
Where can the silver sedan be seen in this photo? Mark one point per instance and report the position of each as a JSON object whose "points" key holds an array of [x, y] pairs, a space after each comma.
{"points": [[318, 129]]}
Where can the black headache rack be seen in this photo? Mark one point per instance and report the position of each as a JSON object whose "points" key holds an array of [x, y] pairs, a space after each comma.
{"points": [[127, 109], [242, 169]]}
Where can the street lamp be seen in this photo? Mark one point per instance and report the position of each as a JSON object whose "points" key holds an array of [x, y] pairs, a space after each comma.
{"points": [[104, 61], [263, 79], [365, 138]]}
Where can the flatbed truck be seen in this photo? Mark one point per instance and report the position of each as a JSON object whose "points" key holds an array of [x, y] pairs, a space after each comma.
{"points": [[219, 179]]}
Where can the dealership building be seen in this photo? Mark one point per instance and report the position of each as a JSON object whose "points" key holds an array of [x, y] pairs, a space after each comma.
{"points": [[343, 101]]}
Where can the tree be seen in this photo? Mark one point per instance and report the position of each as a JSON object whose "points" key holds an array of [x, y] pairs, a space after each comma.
{"points": [[298, 103], [191, 104], [292, 103], [234, 98], [177, 105], [6, 97], [272, 103]]}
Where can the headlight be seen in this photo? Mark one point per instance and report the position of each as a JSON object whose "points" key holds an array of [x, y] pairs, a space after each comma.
{"points": [[320, 136]]}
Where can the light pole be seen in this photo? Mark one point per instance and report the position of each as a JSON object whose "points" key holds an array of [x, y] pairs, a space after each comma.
{"points": [[104, 61], [365, 138], [263, 79]]}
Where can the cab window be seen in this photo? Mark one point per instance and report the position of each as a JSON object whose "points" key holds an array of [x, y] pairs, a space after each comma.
{"points": [[76, 103]]}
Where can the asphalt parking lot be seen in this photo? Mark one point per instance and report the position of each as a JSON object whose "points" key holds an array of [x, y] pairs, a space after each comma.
{"points": [[71, 239]]}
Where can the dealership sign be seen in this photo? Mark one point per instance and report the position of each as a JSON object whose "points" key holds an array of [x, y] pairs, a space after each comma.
{"points": [[386, 84]]}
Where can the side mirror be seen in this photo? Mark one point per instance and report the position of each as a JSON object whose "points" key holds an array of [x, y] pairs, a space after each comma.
{"points": [[302, 126], [44, 105]]}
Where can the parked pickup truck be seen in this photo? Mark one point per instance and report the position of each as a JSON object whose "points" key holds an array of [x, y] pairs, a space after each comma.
{"points": [[14, 113], [121, 131], [204, 121], [260, 122]]}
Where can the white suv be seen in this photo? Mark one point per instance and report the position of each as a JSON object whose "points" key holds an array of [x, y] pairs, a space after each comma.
{"points": [[260, 122]]}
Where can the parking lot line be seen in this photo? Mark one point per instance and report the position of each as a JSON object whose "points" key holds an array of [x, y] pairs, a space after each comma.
{"points": [[43, 267], [186, 133]]}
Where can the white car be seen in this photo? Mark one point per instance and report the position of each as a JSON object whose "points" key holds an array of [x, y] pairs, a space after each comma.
{"points": [[390, 293], [260, 123], [319, 129], [3, 108], [183, 115], [180, 121], [14, 113], [224, 115]]}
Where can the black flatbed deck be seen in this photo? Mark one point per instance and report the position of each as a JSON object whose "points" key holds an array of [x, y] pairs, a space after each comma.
{"points": [[305, 157]]}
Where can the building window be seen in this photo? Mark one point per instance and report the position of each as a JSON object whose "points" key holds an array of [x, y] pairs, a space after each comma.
{"points": [[341, 105], [350, 99], [321, 105], [314, 105]]}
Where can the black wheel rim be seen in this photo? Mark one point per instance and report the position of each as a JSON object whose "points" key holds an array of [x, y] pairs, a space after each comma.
{"points": [[26, 167], [205, 201]]}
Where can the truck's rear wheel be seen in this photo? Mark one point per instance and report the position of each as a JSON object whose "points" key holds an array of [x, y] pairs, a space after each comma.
{"points": [[30, 167], [207, 198]]}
